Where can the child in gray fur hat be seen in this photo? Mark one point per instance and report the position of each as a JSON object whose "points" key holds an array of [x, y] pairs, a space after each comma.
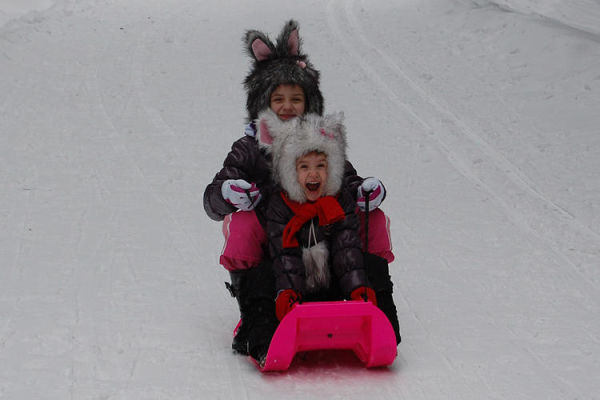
{"points": [[283, 80]]}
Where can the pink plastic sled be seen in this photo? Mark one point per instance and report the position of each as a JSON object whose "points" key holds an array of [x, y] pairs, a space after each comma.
{"points": [[353, 325]]}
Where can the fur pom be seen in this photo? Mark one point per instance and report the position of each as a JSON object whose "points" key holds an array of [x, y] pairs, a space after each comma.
{"points": [[316, 265]]}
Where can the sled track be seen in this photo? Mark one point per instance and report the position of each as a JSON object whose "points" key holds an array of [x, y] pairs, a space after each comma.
{"points": [[509, 188], [340, 13], [475, 159], [236, 366], [135, 92], [582, 16]]}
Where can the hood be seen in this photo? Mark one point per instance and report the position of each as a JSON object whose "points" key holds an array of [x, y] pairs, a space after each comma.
{"points": [[276, 64], [288, 140]]}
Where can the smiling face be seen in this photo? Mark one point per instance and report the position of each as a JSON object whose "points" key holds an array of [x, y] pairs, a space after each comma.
{"points": [[288, 101], [311, 172]]}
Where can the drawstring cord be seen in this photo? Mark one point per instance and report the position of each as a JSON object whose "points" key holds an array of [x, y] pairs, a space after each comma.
{"points": [[311, 234]]}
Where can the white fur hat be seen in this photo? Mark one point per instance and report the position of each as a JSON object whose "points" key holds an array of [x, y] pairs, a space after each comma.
{"points": [[289, 140]]}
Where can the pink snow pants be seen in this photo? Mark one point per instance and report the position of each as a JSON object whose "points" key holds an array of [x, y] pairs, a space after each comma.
{"points": [[245, 239]]}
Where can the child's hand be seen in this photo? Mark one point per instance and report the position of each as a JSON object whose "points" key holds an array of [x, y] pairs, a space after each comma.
{"points": [[241, 194], [364, 293], [376, 191], [286, 300]]}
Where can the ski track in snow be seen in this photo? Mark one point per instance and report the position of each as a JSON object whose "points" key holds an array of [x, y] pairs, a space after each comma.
{"points": [[579, 15], [134, 68], [468, 152], [472, 157], [340, 13]]}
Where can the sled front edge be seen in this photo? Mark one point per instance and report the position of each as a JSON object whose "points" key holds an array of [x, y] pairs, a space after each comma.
{"points": [[354, 325]]}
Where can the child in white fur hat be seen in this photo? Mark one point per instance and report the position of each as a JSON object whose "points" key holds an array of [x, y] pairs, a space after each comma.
{"points": [[312, 224]]}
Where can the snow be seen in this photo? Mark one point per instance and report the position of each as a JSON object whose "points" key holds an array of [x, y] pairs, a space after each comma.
{"points": [[14, 9], [481, 117]]}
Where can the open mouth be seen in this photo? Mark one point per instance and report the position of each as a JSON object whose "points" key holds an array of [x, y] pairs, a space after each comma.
{"points": [[286, 117], [313, 186]]}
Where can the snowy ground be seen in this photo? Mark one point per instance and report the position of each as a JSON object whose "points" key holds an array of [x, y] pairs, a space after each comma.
{"points": [[480, 116]]}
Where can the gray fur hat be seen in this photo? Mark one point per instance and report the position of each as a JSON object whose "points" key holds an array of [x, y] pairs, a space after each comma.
{"points": [[276, 64], [288, 140]]}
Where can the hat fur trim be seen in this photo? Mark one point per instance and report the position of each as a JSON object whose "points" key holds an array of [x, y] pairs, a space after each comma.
{"points": [[286, 141]]}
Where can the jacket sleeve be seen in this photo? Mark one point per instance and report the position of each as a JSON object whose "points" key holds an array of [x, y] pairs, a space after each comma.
{"points": [[237, 165], [351, 180], [288, 266], [346, 248]]}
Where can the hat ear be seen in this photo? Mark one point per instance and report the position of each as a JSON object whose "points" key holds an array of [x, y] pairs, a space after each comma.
{"points": [[333, 125], [294, 43], [259, 46], [264, 132], [268, 127], [288, 41]]}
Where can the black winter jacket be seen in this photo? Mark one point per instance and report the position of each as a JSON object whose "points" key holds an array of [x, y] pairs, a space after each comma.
{"points": [[342, 238], [247, 161]]}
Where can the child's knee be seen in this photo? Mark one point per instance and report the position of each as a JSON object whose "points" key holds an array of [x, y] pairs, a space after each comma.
{"points": [[245, 240], [380, 237]]}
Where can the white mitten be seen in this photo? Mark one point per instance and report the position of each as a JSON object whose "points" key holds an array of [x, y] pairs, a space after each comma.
{"points": [[241, 194], [376, 191]]}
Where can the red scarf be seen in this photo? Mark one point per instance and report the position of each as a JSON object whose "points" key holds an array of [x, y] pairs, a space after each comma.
{"points": [[326, 208]]}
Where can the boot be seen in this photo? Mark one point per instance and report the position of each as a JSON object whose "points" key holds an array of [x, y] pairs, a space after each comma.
{"points": [[240, 339], [379, 277], [258, 310]]}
